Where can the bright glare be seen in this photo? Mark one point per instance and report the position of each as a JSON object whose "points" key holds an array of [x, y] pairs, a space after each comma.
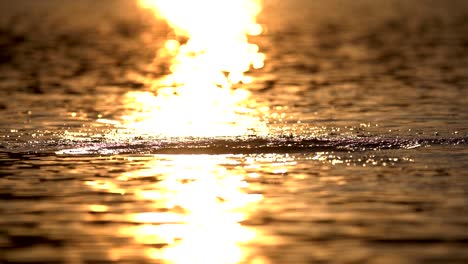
{"points": [[198, 206], [197, 98], [190, 208]]}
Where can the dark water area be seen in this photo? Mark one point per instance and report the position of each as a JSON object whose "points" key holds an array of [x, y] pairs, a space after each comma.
{"points": [[365, 161]]}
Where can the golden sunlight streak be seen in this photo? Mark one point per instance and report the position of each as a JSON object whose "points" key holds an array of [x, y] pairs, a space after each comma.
{"points": [[197, 98], [197, 208]]}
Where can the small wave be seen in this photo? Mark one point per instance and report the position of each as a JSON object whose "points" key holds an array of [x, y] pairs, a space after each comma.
{"points": [[250, 145], [227, 145]]}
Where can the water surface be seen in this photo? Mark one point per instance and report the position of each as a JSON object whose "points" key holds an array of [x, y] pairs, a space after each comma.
{"points": [[365, 158]]}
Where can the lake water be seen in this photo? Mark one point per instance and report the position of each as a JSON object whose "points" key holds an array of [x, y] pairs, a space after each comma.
{"points": [[356, 150]]}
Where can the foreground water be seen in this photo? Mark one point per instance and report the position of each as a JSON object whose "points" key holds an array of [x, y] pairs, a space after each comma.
{"points": [[365, 158]]}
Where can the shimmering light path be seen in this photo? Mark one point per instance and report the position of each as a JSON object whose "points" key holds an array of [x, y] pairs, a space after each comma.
{"points": [[197, 98], [198, 206]]}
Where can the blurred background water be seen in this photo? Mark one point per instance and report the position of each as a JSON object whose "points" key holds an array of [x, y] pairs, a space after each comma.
{"points": [[365, 159]]}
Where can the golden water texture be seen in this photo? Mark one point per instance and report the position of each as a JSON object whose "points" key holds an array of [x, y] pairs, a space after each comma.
{"points": [[291, 117]]}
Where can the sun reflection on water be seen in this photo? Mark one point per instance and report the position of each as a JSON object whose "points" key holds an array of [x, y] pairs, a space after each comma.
{"points": [[209, 54], [195, 208], [195, 204], [192, 113]]}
